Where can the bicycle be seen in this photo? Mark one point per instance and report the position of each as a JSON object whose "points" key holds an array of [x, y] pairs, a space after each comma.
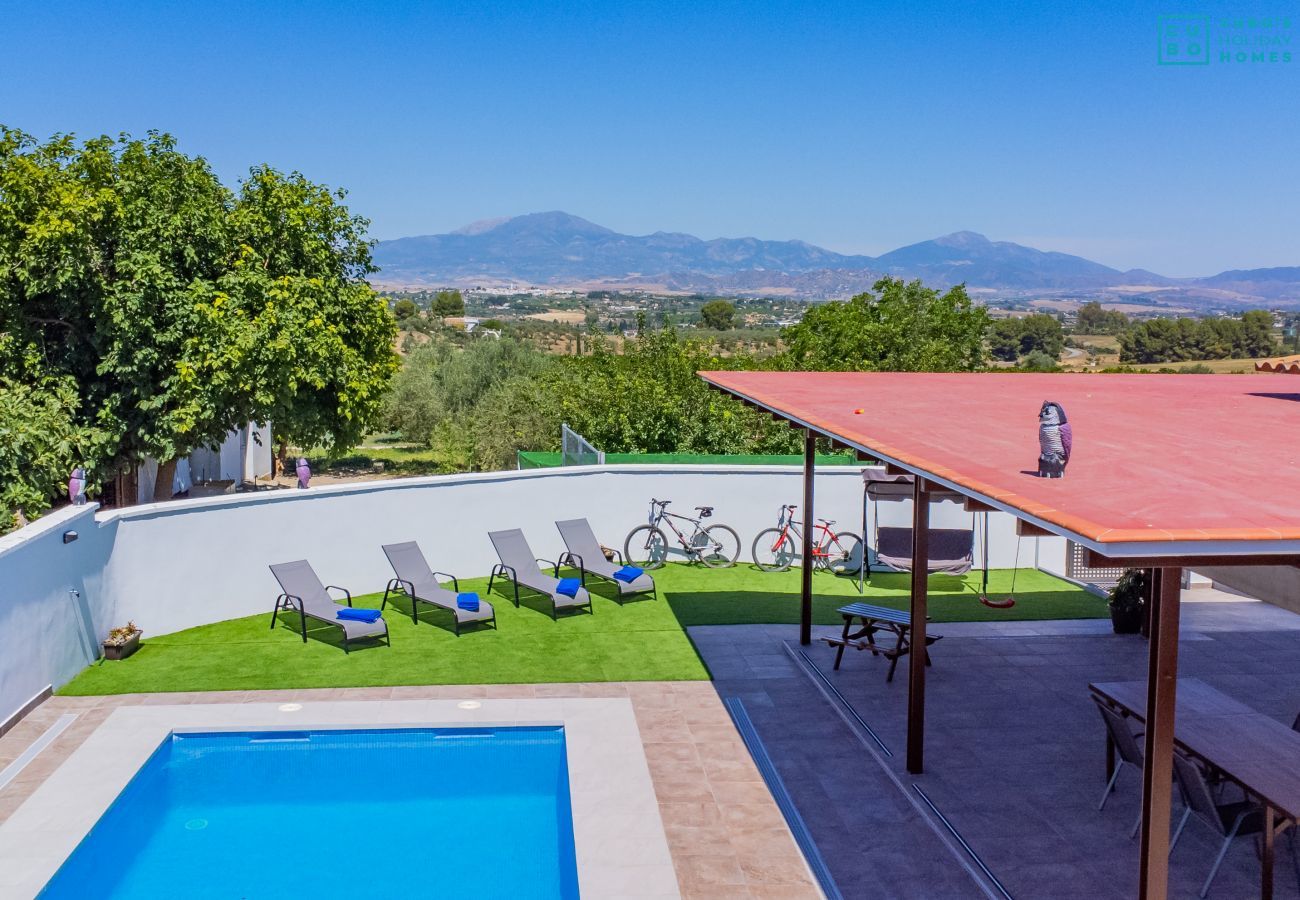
{"points": [[774, 548], [717, 546]]}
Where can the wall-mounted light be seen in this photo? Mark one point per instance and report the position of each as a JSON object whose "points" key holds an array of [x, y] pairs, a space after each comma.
{"points": [[69, 537]]}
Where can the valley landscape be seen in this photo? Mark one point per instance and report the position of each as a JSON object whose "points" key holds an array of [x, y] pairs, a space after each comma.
{"points": [[559, 251]]}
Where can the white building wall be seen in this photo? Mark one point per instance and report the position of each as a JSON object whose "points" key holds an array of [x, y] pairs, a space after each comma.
{"points": [[244, 455]]}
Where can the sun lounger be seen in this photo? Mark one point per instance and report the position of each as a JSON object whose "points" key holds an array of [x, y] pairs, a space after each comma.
{"points": [[303, 593], [419, 583], [585, 554], [521, 567]]}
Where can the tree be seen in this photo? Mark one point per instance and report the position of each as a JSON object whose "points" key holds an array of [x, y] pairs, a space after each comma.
{"points": [[404, 309], [1004, 339], [674, 412], [1257, 334], [1010, 339], [447, 303], [1093, 318], [180, 310], [40, 444], [1039, 361], [1176, 340], [719, 315], [1041, 332], [440, 384], [903, 327]]}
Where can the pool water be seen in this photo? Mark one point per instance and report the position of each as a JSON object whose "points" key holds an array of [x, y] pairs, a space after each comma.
{"points": [[430, 812]]}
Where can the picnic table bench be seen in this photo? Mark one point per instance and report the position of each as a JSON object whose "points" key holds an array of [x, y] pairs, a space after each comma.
{"points": [[877, 619]]}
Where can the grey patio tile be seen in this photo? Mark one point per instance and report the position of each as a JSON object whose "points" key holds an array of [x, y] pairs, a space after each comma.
{"points": [[1014, 754]]}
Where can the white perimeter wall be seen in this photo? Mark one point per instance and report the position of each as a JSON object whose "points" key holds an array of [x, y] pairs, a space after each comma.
{"points": [[184, 563], [52, 605]]}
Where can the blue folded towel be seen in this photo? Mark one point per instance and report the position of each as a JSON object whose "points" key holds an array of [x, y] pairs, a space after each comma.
{"points": [[467, 601], [569, 587], [357, 615], [629, 574]]}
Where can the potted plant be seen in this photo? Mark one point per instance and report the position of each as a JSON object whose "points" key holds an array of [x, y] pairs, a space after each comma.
{"points": [[1128, 601], [122, 642]]}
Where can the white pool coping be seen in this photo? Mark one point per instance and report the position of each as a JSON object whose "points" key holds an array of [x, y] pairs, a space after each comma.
{"points": [[622, 850]]}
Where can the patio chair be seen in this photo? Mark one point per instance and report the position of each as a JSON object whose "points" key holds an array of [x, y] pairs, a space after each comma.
{"points": [[1126, 748], [520, 566], [303, 593], [419, 583], [1229, 820], [585, 554]]}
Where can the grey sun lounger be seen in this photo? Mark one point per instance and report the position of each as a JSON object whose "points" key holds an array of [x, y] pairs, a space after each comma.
{"points": [[585, 554], [419, 583], [304, 594], [520, 566]]}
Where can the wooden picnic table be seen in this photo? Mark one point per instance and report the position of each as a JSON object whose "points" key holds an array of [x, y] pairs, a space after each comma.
{"points": [[1256, 751], [877, 619]]}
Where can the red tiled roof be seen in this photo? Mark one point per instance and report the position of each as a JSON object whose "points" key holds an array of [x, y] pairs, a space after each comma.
{"points": [[1162, 464], [1287, 364]]}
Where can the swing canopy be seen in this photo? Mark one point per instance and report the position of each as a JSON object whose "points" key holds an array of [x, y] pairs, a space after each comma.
{"points": [[952, 550]]}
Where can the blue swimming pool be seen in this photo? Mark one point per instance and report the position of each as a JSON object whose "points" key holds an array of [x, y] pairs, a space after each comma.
{"points": [[430, 812]]}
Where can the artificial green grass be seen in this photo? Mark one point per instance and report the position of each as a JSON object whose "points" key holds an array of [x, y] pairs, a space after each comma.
{"points": [[746, 595], [642, 640]]}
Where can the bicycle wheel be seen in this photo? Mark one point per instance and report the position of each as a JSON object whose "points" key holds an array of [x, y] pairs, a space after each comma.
{"points": [[646, 547], [844, 554], [721, 547], [773, 550]]}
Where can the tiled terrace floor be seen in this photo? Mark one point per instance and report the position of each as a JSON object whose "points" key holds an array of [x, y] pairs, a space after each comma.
{"points": [[727, 837], [1014, 752]]}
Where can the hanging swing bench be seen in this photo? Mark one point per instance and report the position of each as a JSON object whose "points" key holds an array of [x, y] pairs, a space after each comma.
{"points": [[952, 550]]}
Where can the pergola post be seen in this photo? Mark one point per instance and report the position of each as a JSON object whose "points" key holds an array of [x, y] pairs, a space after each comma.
{"points": [[805, 579], [1157, 773], [920, 604]]}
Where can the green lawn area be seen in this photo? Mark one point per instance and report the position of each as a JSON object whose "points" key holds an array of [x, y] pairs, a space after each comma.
{"points": [[642, 640]]}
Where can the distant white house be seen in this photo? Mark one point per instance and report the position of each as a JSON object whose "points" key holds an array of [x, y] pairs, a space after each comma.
{"points": [[245, 455]]}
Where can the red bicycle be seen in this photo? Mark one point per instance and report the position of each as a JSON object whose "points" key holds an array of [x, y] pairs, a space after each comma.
{"points": [[775, 548]]}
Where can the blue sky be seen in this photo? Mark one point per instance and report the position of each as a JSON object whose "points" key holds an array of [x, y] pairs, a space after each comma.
{"points": [[859, 126]]}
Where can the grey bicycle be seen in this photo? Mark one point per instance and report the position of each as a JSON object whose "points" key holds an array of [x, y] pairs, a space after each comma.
{"points": [[717, 546]]}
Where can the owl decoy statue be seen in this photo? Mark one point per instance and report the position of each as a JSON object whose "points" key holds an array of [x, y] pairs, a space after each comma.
{"points": [[1054, 440], [77, 486]]}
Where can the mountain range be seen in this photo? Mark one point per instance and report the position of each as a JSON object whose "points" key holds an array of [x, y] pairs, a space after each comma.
{"points": [[557, 249]]}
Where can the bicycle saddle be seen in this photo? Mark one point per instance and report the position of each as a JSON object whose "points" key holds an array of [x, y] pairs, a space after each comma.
{"points": [[827, 521], [704, 511]]}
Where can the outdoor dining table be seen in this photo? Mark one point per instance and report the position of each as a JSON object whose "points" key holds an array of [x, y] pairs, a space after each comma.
{"points": [[1257, 752]]}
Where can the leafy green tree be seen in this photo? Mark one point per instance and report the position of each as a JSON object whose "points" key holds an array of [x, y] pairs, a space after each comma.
{"points": [[524, 415], [415, 405], [902, 327], [719, 315], [180, 310], [1093, 318], [447, 303], [404, 309], [442, 385], [1039, 361], [1175, 340], [1004, 339], [649, 399], [1257, 334], [40, 444], [1041, 332]]}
